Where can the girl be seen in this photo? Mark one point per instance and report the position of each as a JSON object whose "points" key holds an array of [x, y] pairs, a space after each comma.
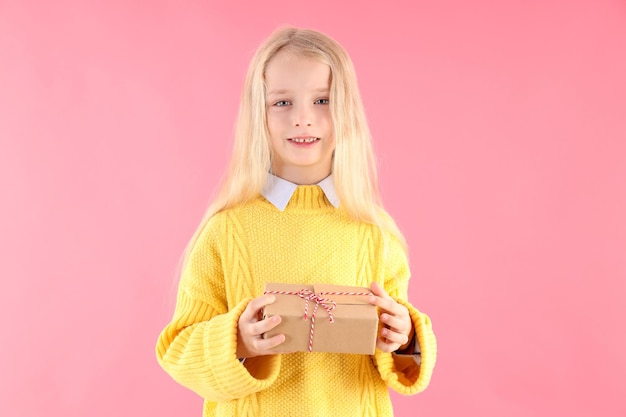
{"points": [[299, 205]]}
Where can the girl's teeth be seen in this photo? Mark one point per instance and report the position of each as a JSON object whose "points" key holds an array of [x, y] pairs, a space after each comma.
{"points": [[302, 140]]}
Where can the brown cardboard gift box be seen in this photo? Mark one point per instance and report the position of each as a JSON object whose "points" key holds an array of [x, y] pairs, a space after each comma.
{"points": [[354, 325]]}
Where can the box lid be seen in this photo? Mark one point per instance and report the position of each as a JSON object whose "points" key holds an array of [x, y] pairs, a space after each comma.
{"points": [[340, 294]]}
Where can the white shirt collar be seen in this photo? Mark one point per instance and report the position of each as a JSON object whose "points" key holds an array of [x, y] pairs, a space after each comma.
{"points": [[279, 191]]}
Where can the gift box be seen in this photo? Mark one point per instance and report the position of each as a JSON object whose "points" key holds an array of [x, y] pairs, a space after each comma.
{"points": [[323, 318]]}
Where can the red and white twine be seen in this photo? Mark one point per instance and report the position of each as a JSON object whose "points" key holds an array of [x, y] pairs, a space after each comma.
{"points": [[326, 303]]}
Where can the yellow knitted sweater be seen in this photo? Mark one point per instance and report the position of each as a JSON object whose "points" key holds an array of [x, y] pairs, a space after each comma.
{"points": [[311, 241]]}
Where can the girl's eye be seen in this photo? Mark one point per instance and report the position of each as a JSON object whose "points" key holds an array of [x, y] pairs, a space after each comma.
{"points": [[282, 103], [322, 101]]}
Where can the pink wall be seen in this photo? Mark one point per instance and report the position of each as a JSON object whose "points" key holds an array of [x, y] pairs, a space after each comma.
{"points": [[501, 134]]}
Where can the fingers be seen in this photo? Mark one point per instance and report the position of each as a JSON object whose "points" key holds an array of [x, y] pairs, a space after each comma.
{"points": [[378, 290], [395, 329], [397, 325], [390, 340], [250, 329], [393, 337], [261, 346], [257, 328], [384, 301], [253, 310]]}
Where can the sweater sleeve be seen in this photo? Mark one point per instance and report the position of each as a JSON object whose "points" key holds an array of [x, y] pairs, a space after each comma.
{"points": [[400, 372], [198, 347]]}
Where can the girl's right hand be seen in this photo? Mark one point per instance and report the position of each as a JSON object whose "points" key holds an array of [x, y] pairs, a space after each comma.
{"points": [[251, 326]]}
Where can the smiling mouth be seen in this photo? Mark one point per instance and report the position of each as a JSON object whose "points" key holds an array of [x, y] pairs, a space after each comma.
{"points": [[310, 139]]}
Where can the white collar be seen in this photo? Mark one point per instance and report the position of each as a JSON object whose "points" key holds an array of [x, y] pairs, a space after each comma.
{"points": [[279, 191]]}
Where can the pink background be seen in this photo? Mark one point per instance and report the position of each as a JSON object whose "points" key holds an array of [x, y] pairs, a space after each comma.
{"points": [[501, 134]]}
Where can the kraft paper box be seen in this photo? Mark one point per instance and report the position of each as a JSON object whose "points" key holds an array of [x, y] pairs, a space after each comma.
{"points": [[355, 321]]}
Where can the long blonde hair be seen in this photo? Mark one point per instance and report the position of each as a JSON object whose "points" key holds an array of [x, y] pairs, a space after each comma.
{"points": [[354, 168]]}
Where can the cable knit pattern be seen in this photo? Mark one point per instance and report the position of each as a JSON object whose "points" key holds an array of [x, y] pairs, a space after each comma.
{"points": [[309, 242]]}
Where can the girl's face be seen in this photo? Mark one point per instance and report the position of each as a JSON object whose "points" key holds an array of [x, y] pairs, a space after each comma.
{"points": [[298, 118]]}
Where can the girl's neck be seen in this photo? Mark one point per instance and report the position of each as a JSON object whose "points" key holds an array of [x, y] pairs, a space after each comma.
{"points": [[299, 177]]}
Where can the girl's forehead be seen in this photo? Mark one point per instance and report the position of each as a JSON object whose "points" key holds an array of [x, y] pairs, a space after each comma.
{"points": [[295, 73], [286, 58]]}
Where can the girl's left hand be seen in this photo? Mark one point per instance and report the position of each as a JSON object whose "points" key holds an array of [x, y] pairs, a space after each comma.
{"points": [[397, 329]]}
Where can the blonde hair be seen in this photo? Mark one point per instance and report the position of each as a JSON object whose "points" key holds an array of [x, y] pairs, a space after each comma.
{"points": [[354, 168]]}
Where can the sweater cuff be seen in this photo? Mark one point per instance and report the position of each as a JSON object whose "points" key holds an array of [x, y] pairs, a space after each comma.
{"points": [[403, 373], [237, 379]]}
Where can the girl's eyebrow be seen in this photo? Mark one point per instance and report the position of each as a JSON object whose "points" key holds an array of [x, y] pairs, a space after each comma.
{"points": [[277, 92], [324, 90]]}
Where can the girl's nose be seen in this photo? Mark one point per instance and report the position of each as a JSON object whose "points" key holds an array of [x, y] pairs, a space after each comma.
{"points": [[302, 117]]}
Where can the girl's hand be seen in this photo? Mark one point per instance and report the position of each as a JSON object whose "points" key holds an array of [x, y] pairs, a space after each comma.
{"points": [[397, 329], [251, 326]]}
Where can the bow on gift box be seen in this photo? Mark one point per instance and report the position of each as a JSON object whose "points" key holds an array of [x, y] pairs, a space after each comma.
{"points": [[327, 304]]}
